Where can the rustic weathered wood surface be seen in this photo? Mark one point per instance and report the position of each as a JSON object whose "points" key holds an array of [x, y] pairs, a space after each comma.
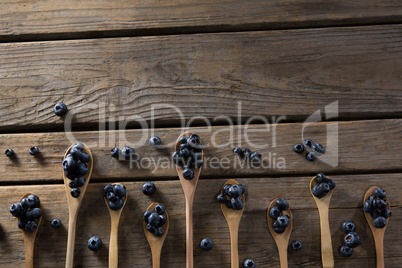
{"points": [[272, 73], [27, 20], [254, 239], [359, 150]]}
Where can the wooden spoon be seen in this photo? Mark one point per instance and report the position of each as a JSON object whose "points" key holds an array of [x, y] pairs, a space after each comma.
{"points": [[74, 205], [326, 243], [156, 242], [189, 191], [281, 240], [378, 233], [29, 241], [114, 232], [233, 218]]}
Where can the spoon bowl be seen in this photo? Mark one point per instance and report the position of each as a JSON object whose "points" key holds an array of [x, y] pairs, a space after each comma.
{"points": [[74, 205], [378, 233], [156, 242], [281, 240], [114, 232], [233, 218], [327, 255]]}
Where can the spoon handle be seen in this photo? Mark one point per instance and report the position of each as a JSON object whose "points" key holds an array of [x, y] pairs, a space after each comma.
{"points": [[283, 256], [326, 243], [234, 234], [72, 223], [113, 244], [156, 257], [29, 251], [189, 232], [379, 249]]}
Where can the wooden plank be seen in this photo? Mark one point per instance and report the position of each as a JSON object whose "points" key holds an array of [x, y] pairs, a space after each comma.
{"points": [[254, 239], [65, 19], [279, 73], [363, 146]]}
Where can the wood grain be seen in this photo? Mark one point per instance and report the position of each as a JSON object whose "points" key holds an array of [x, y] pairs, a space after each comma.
{"points": [[273, 73], [209, 222], [32, 20], [359, 150]]}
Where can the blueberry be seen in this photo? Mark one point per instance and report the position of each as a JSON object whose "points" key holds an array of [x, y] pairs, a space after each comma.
{"points": [[159, 231], [297, 245], [127, 152], [177, 160], [317, 191], [382, 203], [386, 213], [325, 187], [320, 178], [16, 210], [183, 139], [111, 196], [380, 222], [238, 151], [195, 137], [221, 198], [242, 189], [80, 155], [75, 192], [60, 109], [119, 190], [279, 230], [148, 188], [9, 152], [160, 209], [346, 251], [376, 213], [115, 152], [22, 223], [31, 226], [206, 244], [283, 221], [352, 240], [310, 157], [316, 147], [94, 243], [380, 193], [249, 264], [256, 157], [153, 219], [247, 152], [188, 174], [298, 148], [185, 146], [198, 164], [79, 146], [229, 203], [69, 163], [34, 213], [79, 181], [348, 226], [70, 174], [282, 204], [234, 190], [108, 188], [225, 189], [367, 206], [184, 153], [81, 168], [308, 143], [275, 212], [162, 220], [237, 203], [146, 215], [25, 204], [55, 223], [150, 228], [331, 184], [116, 205], [155, 141], [33, 150]]}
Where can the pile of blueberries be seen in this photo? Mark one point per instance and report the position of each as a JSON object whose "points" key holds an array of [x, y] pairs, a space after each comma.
{"points": [[313, 147], [352, 239], [28, 212], [75, 168], [376, 205], [155, 220], [246, 153], [115, 195], [231, 196], [323, 185], [189, 155], [276, 212]]}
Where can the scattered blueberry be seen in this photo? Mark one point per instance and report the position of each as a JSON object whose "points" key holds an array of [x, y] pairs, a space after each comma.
{"points": [[9, 152], [127, 152], [238, 151], [298, 148], [115, 152], [352, 240], [308, 143], [249, 264], [155, 141], [60, 109], [55, 223], [148, 188], [33, 150], [282, 204], [94, 243], [247, 152], [206, 244], [346, 251], [348, 226], [311, 157], [256, 156], [297, 245], [316, 147], [380, 222]]}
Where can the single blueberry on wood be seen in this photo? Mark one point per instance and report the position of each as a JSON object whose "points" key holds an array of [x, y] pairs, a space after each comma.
{"points": [[352, 240], [9, 152], [155, 141], [298, 148], [34, 150], [55, 223], [60, 109], [148, 188], [345, 251], [206, 244], [115, 152], [94, 243], [249, 263], [296, 245], [238, 151], [348, 226]]}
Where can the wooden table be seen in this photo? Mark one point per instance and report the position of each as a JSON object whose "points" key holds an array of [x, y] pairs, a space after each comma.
{"points": [[133, 61]]}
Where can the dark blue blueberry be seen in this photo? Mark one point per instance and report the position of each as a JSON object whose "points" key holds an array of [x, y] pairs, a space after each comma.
{"points": [[380, 222], [185, 146], [320, 178], [150, 228], [282, 221], [238, 151], [115, 152], [81, 168], [183, 140], [188, 174], [382, 204], [162, 220], [317, 191], [316, 147], [206, 244], [75, 192], [195, 137], [60, 109], [380, 193], [34, 213], [119, 190], [348, 226], [310, 157], [376, 213], [160, 209], [117, 204], [71, 184], [184, 153], [234, 190], [16, 210], [159, 231], [282, 204], [256, 157], [94, 243], [346, 251], [70, 174], [199, 164], [69, 163], [229, 203], [221, 198], [31, 226], [177, 160], [247, 152], [108, 188], [331, 184], [146, 215], [297, 245], [275, 212], [325, 187], [154, 219], [155, 141], [128, 152], [79, 181], [298, 148], [55, 223], [237, 203], [33, 150], [386, 213], [25, 204], [21, 223], [148, 188], [367, 206], [225, 189], [79, 146], [308, 143], [249, 264], [9, 152], [352, 240], [111, 196], [80, 155], [279, 230]]}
